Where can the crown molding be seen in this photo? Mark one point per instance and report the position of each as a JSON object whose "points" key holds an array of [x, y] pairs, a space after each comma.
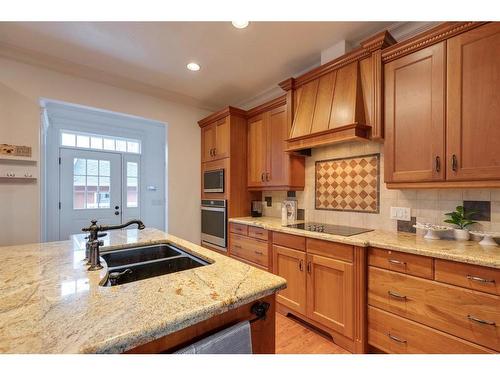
{"points": [[39, 59], [224, 112], [432, 36], [272, 104]]}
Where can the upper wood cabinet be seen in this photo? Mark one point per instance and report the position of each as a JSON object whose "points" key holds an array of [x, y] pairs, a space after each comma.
{"points": [[473, 100], [215, 140], [257, 151], [269, 165], [442, 91], [414, 116]]}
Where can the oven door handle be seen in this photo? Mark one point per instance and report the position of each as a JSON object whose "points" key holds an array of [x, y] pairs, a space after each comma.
{"points": [[218, 209]]}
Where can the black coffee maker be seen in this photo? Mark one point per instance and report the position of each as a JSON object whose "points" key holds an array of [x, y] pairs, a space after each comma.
{"points": [[256, 208]]}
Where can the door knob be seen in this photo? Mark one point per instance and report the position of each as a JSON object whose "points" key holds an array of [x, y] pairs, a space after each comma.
{"points": [[117, 213], [117, 207]]}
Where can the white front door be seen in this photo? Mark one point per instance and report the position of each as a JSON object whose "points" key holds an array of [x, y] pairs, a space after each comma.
{"points": [[91, 187]]}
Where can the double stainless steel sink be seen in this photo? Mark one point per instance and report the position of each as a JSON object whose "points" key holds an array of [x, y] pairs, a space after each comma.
{"points": [[138, 263]]}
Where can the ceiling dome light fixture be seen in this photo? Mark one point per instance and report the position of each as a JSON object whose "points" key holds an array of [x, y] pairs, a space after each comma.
{"points": [[193, 66], [240, 24]]}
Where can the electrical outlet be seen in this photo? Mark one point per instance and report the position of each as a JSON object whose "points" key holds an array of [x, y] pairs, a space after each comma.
{"points": [[401, 213]]}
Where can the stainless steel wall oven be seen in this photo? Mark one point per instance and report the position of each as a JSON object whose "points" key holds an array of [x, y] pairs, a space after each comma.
{"points": [[214, 223]]}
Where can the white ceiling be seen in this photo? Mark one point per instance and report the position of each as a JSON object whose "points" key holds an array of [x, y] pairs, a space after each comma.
{"points": [[236, 65]]}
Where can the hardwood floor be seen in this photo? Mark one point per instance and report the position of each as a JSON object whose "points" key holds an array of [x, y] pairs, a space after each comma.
{"points": [[295, 337]]}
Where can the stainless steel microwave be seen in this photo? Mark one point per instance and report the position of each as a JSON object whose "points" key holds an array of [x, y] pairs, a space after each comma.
{"points": [[213, 181]]}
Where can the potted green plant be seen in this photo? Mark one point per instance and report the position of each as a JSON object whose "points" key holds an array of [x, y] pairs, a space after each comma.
{"points": [[462, 220]]}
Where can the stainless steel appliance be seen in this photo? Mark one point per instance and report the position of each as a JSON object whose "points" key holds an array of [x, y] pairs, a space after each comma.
{"points": [[340, 230], [213, 181], [214, 223]]}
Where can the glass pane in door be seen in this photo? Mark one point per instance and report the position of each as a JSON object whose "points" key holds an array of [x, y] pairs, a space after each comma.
{"points": [[91, 183], [132, 185]]}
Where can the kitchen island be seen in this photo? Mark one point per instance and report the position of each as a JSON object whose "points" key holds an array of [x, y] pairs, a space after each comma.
{"points": [[50, 303]]}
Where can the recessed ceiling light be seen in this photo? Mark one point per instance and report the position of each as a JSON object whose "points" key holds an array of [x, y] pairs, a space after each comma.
{"points": [[193, 66], [240, 24]]}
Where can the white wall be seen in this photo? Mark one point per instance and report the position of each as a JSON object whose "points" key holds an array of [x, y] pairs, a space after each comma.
{"points": [[22, 86]]}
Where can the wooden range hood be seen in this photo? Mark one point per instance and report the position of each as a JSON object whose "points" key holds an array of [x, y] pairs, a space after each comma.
{"points": [[339, 101]]}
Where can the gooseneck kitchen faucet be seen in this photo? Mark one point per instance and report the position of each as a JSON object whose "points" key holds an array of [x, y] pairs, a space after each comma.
{"points": [[93, 243]]}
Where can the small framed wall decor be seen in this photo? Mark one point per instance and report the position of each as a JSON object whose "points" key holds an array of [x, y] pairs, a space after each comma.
{"points": [[13, 150]]}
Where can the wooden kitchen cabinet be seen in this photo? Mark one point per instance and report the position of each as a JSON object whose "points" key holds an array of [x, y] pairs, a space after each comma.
{"points": [[291, 265], [330, 296], [414, 116], [441, 108], [215, 140], [257, 151], [269, 166], [473, 109]]}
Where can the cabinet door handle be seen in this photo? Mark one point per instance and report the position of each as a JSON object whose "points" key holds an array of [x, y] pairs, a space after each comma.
{"points": [[210, 152], [454, 163], [438, 164], [398, 262], [267, 176], [480, 279], [309, 267], [262, 177], [481, 321], [301, 265], [396, 295], [397, 339], [215, 151]]}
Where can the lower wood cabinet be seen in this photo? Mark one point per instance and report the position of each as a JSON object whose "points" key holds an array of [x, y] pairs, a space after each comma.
{"points": [[290, 264], [418, 304], [330, 296], [394, 334], [250, 245], [320, 281]]}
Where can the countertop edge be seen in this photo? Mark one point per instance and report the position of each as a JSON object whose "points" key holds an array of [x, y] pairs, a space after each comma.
{"points": [[369, 243], [141, 337]]}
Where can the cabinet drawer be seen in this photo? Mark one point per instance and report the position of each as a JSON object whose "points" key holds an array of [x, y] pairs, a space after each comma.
{"points": [[410, 264], [238, 228], [330, 249], [394, 334], [250, 249], [468, 314], [258, 233], [289, 240], [469, 276]]}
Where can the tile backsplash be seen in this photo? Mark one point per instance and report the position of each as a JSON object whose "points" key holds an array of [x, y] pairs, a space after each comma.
{"points": [[426, 205]]}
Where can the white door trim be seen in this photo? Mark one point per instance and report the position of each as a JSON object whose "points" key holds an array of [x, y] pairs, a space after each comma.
{"points": [[56, 116]]}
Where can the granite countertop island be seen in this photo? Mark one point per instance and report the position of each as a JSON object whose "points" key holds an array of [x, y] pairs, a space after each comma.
{"points": [[50, 303], [461, 251]]}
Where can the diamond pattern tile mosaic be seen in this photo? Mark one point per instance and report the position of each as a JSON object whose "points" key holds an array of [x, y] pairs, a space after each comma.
{"points": [[350, 184]]}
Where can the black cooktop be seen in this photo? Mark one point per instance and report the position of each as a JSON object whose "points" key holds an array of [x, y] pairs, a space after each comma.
{"points": [[339, 230]]}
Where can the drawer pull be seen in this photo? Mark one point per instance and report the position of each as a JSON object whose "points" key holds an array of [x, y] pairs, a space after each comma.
{"points": [[259, 233], [259, 252], [397, 339], [396, 295], [481, 321], [237, 246], [398, 262], [480, 279]]}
